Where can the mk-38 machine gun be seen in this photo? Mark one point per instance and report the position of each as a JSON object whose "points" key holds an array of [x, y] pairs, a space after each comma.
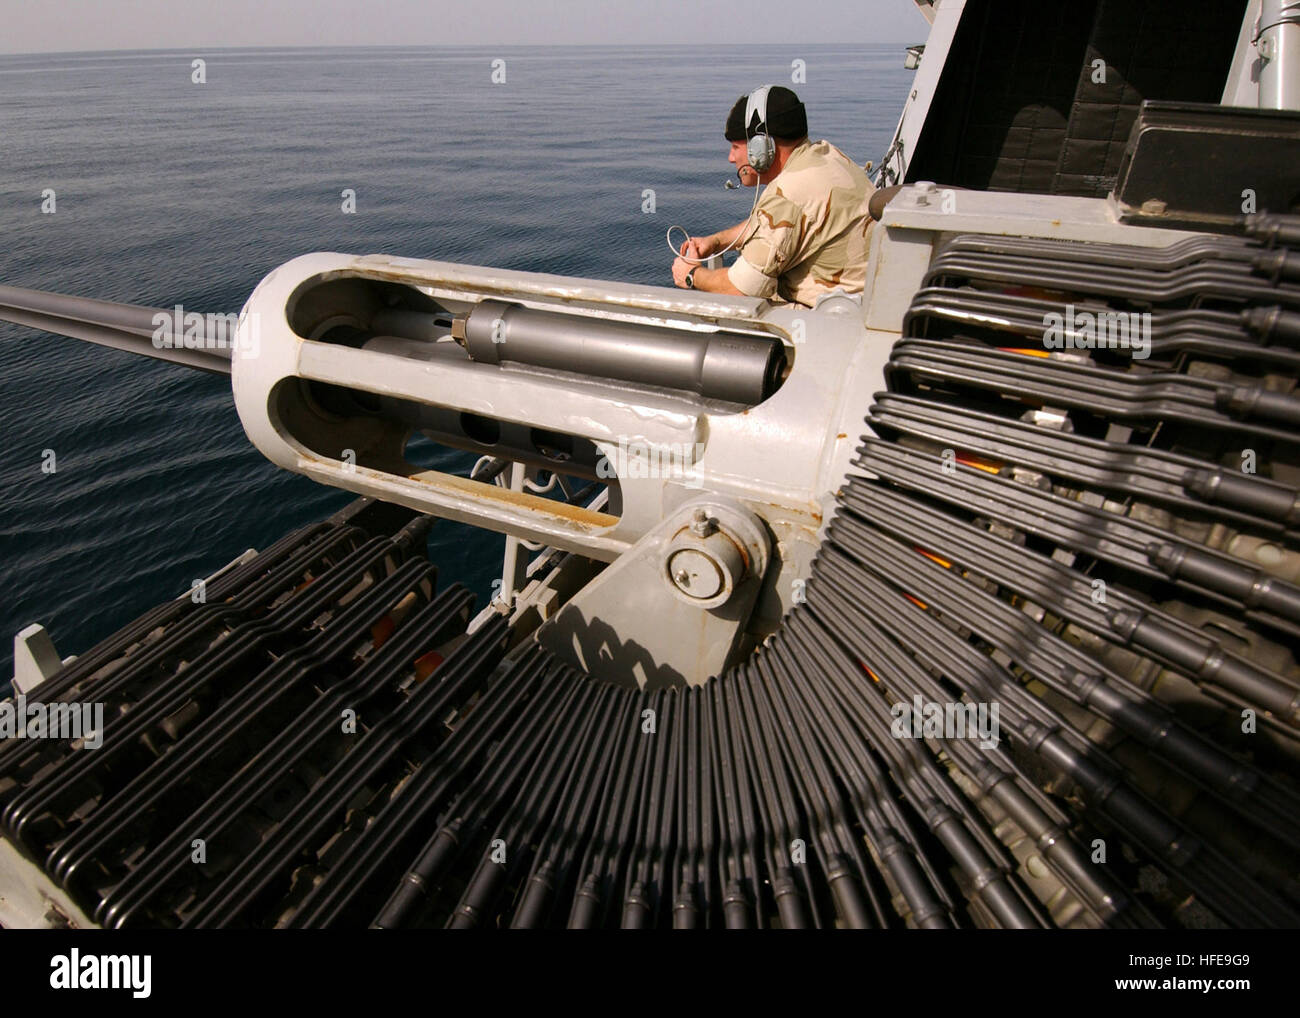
{"points": [[970, 600]]}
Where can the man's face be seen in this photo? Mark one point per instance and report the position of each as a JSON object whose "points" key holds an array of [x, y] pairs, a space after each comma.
{"points": [[738, 157]]}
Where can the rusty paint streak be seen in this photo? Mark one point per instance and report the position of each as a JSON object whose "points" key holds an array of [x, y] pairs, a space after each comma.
{"points": [[482, 490], [520, 499]]}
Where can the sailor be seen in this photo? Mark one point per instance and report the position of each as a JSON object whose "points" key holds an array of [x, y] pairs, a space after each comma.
{"points": [[807, 234]]}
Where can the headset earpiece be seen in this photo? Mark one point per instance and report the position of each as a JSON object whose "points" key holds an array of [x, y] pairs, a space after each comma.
{"points": [[760, 149]]}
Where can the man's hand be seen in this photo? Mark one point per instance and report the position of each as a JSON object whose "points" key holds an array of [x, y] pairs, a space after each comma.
{"points": [[698, 247], [680, 267]]}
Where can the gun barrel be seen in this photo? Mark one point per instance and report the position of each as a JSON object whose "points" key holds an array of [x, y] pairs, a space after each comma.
{"points": [[130, 327]]}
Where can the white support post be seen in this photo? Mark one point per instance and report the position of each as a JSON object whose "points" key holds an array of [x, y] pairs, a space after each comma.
{"points": [[1279, 53], [513, 564], [35, 658]]}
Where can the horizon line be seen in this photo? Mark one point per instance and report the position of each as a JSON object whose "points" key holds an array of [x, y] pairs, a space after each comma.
{"points": [[459, 45]]}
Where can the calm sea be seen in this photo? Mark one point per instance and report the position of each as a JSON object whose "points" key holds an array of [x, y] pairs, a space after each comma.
{"points": [[172, 192]]}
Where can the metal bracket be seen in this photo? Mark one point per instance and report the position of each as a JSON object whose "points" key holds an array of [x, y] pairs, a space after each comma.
{"points": [[673, 609]]}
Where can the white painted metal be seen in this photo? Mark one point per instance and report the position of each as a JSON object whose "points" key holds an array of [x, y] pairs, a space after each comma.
{"points": [[31, 900], [1265, 70], [944, 16], [1242, 85], [783, 458], [35, 658], [1278, 44], [513, 563]]}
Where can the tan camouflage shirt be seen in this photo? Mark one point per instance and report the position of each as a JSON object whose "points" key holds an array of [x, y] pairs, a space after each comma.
{"points": [[809, 232]]}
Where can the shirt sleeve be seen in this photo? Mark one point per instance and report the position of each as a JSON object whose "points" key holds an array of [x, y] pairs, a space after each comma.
{"points": [[770, 248]]}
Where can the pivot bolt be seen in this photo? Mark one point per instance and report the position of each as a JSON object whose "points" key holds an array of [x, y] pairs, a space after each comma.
{"points": [[717, 549], [698, 574], [703, 563]]}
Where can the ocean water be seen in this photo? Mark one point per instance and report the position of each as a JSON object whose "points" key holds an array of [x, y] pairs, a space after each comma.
{"points": [[172, 192]]}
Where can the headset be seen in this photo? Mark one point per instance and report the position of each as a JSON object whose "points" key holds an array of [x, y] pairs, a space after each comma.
{"points": [[760, 149]]}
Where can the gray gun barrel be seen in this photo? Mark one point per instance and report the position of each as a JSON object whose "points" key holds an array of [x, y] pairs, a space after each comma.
{"points": [[731, 366], [129, 327]]}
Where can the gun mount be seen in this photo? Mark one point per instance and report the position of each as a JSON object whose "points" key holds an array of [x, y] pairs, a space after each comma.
{"points": [[970, 601]]}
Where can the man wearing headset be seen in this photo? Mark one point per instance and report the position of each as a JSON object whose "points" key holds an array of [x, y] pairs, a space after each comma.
{"points": [[807, 234]]}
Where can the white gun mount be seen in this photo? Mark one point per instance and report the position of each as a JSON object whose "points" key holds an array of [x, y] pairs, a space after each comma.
{"points": [[762, 410]]}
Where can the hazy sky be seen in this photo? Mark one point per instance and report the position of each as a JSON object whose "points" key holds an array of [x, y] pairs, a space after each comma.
{"points": [[38, 26]]}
